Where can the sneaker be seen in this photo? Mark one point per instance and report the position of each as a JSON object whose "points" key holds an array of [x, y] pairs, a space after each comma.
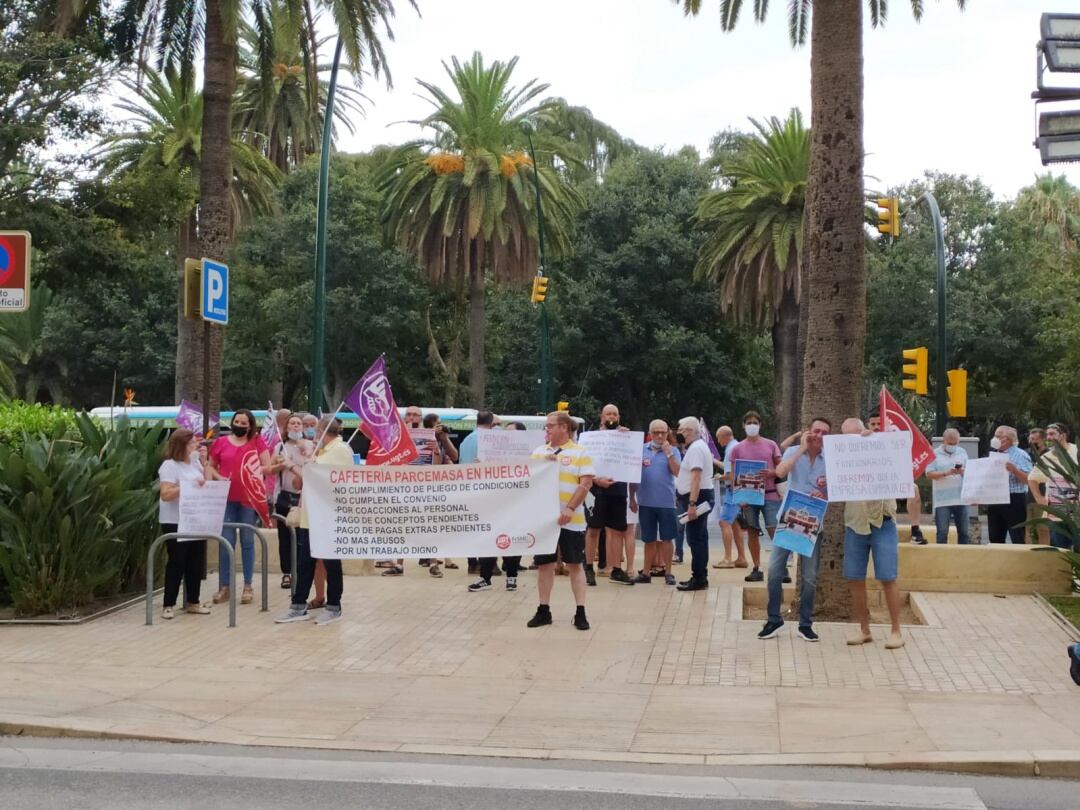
{"points": [[678, 560], [917, 537], [770, 630], [669, 579], [692, 585], [858, 637], [621, 577], [642, 578], [197, 609], [754, 576], [296, 613], [435, 571], [541, 618], [808, 634], [511, 583], [894, 642], [1074, 663], [167, 613], [580, 622], [329, 616], [787, 579], [480, 585], [590, 576]]}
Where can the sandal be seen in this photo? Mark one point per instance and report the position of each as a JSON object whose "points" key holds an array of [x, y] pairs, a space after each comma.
{"points": [[316, 604], [724, 564], [450, 564], [286, 581], [393, 571]]}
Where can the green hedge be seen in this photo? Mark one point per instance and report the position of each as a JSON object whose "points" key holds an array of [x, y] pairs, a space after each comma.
{"points": [[19, 419]]}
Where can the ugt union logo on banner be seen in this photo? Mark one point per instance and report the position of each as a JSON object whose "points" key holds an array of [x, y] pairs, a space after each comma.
{"points": [[893, 417], [372, 400]]}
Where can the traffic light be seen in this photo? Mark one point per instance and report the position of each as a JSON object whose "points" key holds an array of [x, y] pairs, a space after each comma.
{"points": [[563, 405], [889, 216], [192, 288], [957, 402], [918, 361], [539, 289]]}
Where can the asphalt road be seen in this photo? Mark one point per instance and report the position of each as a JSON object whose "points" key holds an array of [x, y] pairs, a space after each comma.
{"points": [[91, 774]]}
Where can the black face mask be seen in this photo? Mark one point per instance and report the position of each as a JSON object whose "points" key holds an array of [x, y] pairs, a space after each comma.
{"points": [[611, 424], [238, 430], [680, 438]]}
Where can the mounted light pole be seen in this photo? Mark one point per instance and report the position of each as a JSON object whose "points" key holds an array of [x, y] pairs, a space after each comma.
{"points": [[318, 332], [544, 395], [942, 344]]}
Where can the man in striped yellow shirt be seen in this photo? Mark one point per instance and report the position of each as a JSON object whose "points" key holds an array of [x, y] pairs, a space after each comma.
{"points": [[575, 479]]}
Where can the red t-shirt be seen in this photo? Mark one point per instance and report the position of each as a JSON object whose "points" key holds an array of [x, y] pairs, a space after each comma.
{"points": [[227, 457]]}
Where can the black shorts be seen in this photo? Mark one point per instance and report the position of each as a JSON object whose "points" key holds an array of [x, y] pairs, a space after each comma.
{"points": [[608, 512], [571, 547]]}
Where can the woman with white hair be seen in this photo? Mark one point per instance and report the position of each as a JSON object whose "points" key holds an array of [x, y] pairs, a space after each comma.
{"points": [[694, 494]]}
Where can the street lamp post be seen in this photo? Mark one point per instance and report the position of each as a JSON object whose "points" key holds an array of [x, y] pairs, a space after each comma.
{"points": [[544, 396], [318, 333], [942, 280]]}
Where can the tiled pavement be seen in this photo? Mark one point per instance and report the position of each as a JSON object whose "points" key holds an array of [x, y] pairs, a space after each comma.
{"points": [[420, 664]]}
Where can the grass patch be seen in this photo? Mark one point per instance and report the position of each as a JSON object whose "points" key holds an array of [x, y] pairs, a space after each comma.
{"points": [[1067, 606]]}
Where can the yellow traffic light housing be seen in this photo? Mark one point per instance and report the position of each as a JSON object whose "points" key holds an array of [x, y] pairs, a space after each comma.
{"points": [[915, 370], [563, 405], [957, 402], [192, 289], [889, 216], [539, 289]]}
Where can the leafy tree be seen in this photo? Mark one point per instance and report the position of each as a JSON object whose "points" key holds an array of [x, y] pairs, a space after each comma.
{"points": [[461, 202], [754, 245]]}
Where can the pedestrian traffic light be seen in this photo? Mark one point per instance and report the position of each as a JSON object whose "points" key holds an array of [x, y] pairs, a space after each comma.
{"points": [[915, 369], [539, 289], [889, 216], [957, 402]]}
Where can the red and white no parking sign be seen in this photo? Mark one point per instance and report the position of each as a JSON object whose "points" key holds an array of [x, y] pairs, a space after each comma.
{"points": [[14, 271]]}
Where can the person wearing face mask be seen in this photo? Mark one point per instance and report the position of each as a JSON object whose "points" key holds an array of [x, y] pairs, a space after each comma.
{"points": [[946, 473], [1040, 533], [288, 466], [804, 466], [185, 556], [227, 460], [756, 447], [311, 424], [610, 502], [336, 453], [655, 498], [1008, 518], [1049, 486]]}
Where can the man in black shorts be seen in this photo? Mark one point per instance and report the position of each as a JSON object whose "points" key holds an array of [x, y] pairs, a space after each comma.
{"points": [[575, 478], [609, 514]]}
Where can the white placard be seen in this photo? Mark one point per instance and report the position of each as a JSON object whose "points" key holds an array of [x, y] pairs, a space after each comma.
{"points": [[986, 481], [615, 454], [868, 468], [445, 510], [507, 445], [202, 508]]}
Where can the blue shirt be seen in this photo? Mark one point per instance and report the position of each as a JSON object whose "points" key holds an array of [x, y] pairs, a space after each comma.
{"points": [[657, 487], [1022, 461], [467, 450], [804, 474]]}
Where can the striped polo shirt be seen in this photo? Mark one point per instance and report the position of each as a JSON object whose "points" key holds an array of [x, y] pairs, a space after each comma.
{"points": [[574, 464]]}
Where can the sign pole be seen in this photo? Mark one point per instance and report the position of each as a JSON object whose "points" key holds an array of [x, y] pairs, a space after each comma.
{"points": [[206, 380]]}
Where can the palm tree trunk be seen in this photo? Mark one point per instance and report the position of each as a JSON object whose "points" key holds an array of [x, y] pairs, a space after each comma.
{"points": [[215, 178], [188, 333], [835, 295], [477, 331], [785, 340]]}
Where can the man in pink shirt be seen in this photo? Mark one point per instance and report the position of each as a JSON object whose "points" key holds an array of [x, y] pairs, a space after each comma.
{"points": [[755, 447]]}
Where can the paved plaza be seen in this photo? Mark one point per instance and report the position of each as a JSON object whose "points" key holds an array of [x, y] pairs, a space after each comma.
{"points": [[421, 665]]}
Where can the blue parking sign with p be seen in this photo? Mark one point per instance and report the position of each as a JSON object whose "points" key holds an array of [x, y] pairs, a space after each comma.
{"points": [[215, 292]]}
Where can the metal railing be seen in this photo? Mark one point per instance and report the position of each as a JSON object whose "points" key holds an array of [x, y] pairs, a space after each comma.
{"points": [[292, 534], [185, 536], [265, 563]]}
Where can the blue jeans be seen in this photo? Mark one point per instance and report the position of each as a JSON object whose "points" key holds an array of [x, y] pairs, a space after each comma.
{"points": [[697, 536], [808, 571], [941, 523], [236, 512]]}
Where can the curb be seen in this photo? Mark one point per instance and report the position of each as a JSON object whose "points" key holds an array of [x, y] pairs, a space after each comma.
{"points": [[1016, 763]]}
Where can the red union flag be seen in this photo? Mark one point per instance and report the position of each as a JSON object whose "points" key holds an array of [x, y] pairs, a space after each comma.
{"points": [[253, 484], [893, 417]]}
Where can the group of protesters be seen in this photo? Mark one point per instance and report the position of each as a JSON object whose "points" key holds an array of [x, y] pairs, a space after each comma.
{"points": [[686, 479]]}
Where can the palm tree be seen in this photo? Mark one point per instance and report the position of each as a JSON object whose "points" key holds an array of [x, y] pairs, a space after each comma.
{"points": [[598, 144], [1052, 204], [167, 114], [282, 111], [24, 365], [834, 293], [177, 27], [755, 241], [462, 201]]}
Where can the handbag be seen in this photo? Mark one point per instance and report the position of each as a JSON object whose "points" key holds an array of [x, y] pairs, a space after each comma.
{"points": [[292, 520]]}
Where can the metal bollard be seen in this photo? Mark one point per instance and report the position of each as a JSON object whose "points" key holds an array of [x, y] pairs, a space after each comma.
{"points": [[265, 563], [292, 534], [150, 570]]}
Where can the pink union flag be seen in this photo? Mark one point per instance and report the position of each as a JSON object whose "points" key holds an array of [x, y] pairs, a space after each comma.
{"points": [[190, 416], [372, 400]]}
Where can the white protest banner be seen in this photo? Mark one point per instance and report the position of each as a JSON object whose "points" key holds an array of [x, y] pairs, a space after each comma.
{"points": [[202, 508], [868, 468], [615, 454], [472, 510], [507, 445], [986, 481]]}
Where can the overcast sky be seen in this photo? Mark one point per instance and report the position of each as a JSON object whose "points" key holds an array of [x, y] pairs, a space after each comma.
{"points": [[951, 93]]}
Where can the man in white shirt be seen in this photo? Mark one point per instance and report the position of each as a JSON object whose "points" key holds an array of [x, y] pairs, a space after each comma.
{"points": [[694, 489], [946, 473]]}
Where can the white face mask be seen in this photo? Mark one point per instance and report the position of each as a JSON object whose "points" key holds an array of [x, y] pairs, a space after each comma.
{"points": [[296, 435], [995, 443], [752, 430], [949, 449]]}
